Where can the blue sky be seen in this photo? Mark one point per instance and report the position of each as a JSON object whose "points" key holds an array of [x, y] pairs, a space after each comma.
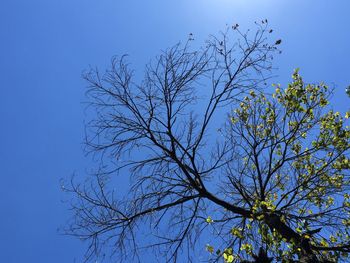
{"points": [[45, 46]]}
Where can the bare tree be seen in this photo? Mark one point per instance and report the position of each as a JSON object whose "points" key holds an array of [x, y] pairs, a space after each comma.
{"points": [[200, 170]]}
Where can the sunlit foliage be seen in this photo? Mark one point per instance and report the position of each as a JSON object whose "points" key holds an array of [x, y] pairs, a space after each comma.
{"points": [[294, 175]]}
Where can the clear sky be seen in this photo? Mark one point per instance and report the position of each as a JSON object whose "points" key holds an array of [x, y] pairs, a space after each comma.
{"points": [[46, 44]]}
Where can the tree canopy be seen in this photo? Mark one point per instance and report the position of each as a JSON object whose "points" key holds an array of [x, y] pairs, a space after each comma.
{"points": [[292, 174], [215, 161]]}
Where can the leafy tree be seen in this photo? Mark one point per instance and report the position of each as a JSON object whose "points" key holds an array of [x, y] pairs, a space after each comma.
{"points": [[294, 178], [268, 179]]}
